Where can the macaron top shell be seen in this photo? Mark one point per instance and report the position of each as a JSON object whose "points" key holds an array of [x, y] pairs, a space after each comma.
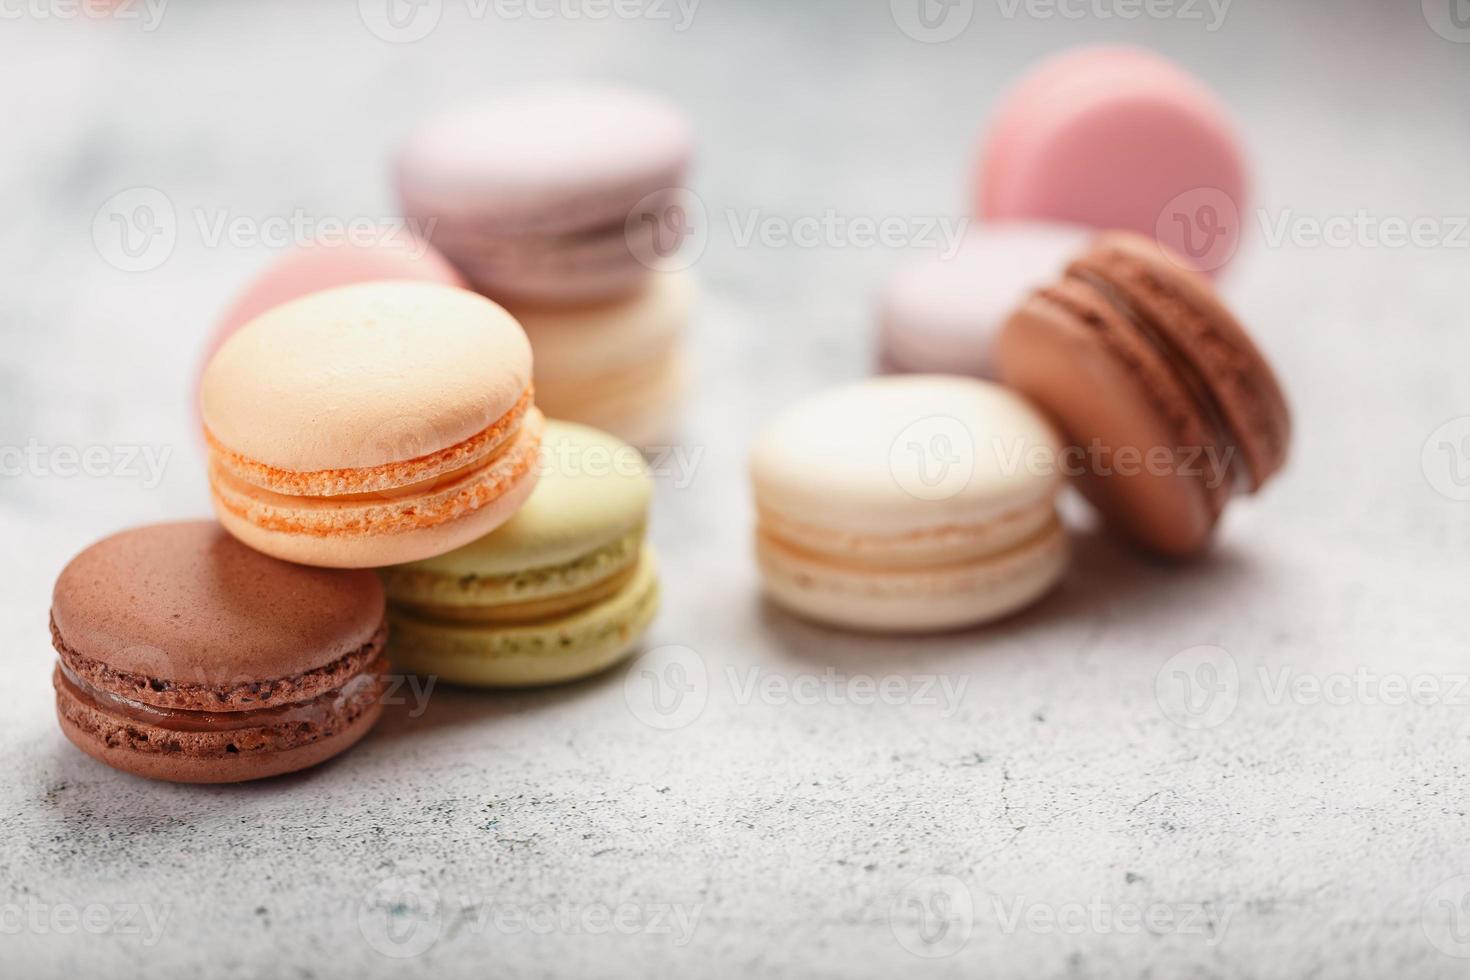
{"points": [[365, 375], [906, 453], [311, 269], [577, 341], [186, 602], [1109, 136], [594, 490], [529, 155], [940, 311], [1236, 379]]}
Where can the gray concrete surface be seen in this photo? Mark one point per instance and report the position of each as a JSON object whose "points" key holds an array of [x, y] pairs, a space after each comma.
{"points": [[1033, 800]]}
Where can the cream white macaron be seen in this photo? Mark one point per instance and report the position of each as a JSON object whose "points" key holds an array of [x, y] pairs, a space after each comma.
{"points": [[908, 504], [619, 366]]}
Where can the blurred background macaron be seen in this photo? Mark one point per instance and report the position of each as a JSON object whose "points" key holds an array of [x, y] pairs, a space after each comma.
{"points": [[562, 590], [908, 504], [1168, 407], [184, 655], [371, 424], [555, 194], [620, 366], [1118, 137], [940, 312]]}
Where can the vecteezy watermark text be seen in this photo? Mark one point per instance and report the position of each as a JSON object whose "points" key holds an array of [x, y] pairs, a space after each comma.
{"points": [[1200, 687], [36, 460], [128, 919], [137, 230], [1210, 14], [669, 687], [147, 13], [678, 464], [934, 916], [404, 916], [407, 21]]}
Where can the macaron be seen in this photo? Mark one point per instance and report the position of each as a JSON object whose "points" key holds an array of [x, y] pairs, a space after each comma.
{"points": [[619, 366], [908, 504], [312, 268], [1118, 138], [184, 655], [371, 424], [1168, 407], [562, 590], [558, 194], [940, 313]]}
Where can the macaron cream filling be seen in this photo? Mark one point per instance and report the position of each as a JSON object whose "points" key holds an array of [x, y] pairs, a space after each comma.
{"points": [[432, 500], [532, 594], [317, 713], [482, 447], [946, 544]]}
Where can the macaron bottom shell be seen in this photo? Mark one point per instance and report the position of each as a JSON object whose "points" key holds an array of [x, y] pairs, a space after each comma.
{"points": [[186, 769], [181, 755], [913, 599], [546, 651]]}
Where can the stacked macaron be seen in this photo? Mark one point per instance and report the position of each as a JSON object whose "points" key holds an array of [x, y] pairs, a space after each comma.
{"points": [[561, 590], [564, 203], [362, 409]]}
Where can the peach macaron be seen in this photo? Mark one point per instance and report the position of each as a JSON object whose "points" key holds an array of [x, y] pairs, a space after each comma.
{"points": [[371, 425]]}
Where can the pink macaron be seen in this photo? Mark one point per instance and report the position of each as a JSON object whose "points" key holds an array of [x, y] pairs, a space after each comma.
{"points": [[312, 268], [940, 313], [561, 194], [1118, 138]]}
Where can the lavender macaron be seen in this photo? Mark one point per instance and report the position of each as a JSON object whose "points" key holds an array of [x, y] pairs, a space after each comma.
{"points": [[941, 312], [563, 194]]}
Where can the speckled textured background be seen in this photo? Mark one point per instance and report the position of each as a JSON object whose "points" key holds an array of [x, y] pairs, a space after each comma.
{"points": [[1028, 800]]}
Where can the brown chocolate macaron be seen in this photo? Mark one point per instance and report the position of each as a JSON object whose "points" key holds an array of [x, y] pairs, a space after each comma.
{"points": [[185, 655], [1167, 405]]}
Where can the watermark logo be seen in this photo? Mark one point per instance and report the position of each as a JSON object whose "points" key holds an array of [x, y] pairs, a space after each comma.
{"points": [[667, 688], [1450, 19], [932, 21], [135, 230], [1203, 226], [1445, 459], [933, 916], [1198, 688], [401, 917], [400, 21], [1446, 917], [667, 230], [932, 458]]}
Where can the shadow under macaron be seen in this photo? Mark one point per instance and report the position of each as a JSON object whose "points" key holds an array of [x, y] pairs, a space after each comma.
{"points": [[1108, 579]]}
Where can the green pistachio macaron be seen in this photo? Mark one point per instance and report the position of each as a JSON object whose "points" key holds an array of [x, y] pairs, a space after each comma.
{"points": [[562, 590]]}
